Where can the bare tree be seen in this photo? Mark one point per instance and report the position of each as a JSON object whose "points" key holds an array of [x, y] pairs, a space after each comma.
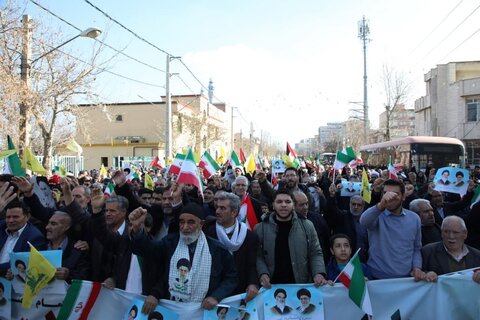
{"points": [[55, 79], [396, 93]]}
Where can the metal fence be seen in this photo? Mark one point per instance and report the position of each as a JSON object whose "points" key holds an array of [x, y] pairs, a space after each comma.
{"points": [[72, 164]]}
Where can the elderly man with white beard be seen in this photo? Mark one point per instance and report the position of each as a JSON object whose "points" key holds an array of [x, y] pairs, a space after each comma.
{"points": [[210, 272]]}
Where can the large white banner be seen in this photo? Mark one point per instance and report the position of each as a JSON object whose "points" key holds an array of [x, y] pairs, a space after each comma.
{"points": [[452, 297]]}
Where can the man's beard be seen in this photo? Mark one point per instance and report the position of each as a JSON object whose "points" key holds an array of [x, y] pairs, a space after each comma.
{"points": [[190, 238]]}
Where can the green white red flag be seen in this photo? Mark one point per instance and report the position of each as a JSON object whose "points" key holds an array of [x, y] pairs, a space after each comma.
{"points": [[189, 172], [343, 158], [247, 212], [353, 278], [392, 173], [234, 161], [177, 164], [109, 190], [79, 301], [208, 165], [156, 163]]}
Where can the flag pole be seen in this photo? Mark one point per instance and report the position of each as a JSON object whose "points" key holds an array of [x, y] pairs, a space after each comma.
{"points": [[356, 253]]}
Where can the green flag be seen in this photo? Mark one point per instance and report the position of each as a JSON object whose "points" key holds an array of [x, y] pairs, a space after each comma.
{"points": [[13, 164]]}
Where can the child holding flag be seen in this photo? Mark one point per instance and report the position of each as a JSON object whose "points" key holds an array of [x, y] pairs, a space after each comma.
{"points": [[341, 249]]}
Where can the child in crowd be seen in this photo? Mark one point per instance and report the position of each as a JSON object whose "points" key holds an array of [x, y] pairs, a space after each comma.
{"points": [[341, 248]]}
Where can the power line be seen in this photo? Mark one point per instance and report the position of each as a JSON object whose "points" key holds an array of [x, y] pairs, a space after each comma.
{"points": [[108, 71], [436, 27], [124, 27], [146, 41], [98, 40], [451, 32], [468, 38]]}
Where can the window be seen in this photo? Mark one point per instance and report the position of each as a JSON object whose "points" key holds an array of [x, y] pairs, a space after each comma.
{"points": [[104, 161], [473, 109], [118, 118]]}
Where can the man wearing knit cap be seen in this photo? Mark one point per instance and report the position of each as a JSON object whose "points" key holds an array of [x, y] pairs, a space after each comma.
{"points": [[212, 275]]}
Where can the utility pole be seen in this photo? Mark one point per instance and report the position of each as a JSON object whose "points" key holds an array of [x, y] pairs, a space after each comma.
{"points": [[363, 34], [24, 124], [168, 116]]}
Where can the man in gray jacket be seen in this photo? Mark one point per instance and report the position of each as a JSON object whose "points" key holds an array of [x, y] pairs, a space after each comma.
{"points": [[289, 250]]}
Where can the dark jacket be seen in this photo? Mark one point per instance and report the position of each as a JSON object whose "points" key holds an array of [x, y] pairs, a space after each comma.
{"points": [[120, 246], [342, 221], [223, 275], [245, 258], [76, 261], [30, 233], [435, 258]]}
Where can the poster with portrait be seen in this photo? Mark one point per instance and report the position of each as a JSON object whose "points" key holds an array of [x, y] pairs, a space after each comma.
{"points": [[43, 191], [233, 308], [278, 167], [134, 312], [302, 302], [19, 267], [350, 188], [5, 299], [450, 179]]}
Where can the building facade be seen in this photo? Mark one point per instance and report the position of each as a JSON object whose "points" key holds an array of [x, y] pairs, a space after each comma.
{"points": [[451, 106], [110, 133], [401, 122]]}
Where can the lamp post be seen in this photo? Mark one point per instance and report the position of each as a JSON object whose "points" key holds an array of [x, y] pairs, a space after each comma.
{"points": [[25, 67]]}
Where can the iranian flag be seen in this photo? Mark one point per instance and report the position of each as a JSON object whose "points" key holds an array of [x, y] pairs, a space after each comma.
{"points": [[156, 163], [476, 197], [392, 173], [109, 190], [79, 301], [189, 172], [352, 277], [208, 165], [177, 164], [234, 161], [344, 157], [242, 156], [247, 212]]}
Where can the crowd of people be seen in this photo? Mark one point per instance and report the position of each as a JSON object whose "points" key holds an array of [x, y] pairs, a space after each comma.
{"points": [[241, 232]]}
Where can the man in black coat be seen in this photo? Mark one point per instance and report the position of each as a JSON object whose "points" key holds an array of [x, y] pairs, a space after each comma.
{"points": [[215, 276]]}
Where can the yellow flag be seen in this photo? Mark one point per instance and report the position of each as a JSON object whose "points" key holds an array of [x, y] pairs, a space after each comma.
{"points": [[39, 273], [72, 145], [221, 157], [149, 184], [31, 163], [103, 172], [62, 172], [250, 164], [366, 192]]}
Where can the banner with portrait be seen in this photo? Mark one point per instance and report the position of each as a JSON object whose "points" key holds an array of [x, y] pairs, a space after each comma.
{"points": [[19, 267], [450, 179], [391, 299], [350, 188]]}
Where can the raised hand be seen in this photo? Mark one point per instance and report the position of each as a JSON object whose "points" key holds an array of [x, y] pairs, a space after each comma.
{"points": [[23, 185]]}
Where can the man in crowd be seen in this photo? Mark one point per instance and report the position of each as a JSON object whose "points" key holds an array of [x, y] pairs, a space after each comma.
{"points": [[240, 187], [212, 275], [394, 236], [323, 232], [451, 254], [288, 241], [430, 229], [348, 221], [240, 241], [16, 232]]}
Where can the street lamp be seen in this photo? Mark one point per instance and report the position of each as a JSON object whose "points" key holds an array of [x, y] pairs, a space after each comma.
{"points": [[25, 73]]}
